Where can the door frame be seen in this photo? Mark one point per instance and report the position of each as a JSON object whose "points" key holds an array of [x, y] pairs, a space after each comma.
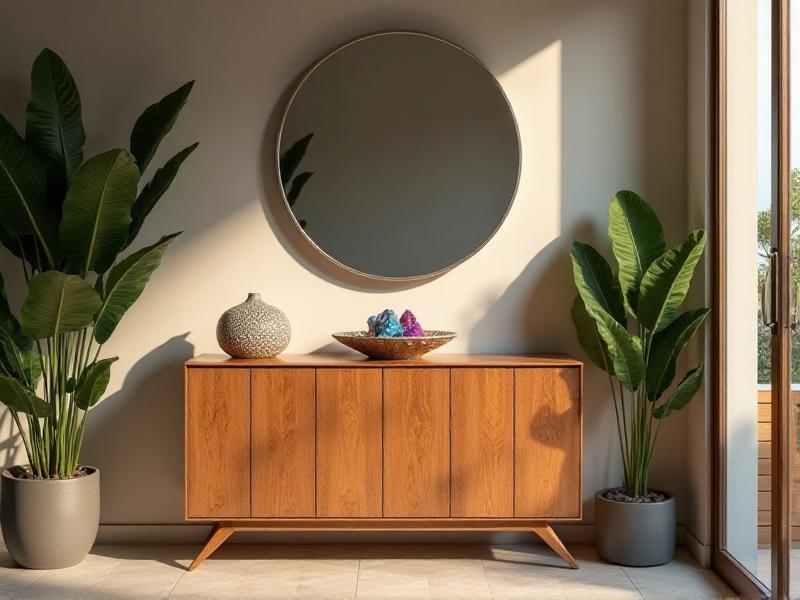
{"points": [[734, 574]]}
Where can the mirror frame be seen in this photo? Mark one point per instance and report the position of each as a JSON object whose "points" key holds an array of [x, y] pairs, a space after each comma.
{"points": [[288, 107]]}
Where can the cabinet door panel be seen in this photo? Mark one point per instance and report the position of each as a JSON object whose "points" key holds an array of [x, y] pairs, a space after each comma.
{"points": [[349, 416], [217, 442], [482, 444], [416, 442], [547, 444], [283, 442]]}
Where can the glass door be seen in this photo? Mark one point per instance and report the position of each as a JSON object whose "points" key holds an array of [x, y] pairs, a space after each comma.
{"points": [[753, 281]]}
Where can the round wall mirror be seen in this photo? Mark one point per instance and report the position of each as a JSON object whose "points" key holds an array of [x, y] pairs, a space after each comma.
{"points": [[398, 155]]}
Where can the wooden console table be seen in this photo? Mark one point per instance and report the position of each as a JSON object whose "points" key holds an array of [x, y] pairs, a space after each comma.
{"points": [[336, 442]]}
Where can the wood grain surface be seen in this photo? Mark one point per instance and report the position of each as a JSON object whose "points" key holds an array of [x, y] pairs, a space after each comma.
{"points": [[355, 360], [283, 433], [349, 432], [416, 442], [547, 442], [482, 442], [217, 443]]}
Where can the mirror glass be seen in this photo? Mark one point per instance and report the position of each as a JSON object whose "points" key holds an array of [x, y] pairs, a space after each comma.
{"points": [[398, 155]]}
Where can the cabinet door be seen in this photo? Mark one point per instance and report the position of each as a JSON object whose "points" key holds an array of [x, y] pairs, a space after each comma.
{"points": [[283, 442], [217, 442], [416, 442], [349, 442], [547, 445], [482, 444]]}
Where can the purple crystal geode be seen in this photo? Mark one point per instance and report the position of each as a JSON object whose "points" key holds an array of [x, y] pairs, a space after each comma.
{"points": [[385, 324], [411, 327]]}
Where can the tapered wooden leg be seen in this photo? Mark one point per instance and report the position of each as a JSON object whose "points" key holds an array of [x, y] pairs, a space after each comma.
{"points": [[550, 538], [219, 534]]}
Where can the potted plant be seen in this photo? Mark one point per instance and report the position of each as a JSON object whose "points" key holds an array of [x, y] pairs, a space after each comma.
{"points": [[68, 220], [629, 326]]}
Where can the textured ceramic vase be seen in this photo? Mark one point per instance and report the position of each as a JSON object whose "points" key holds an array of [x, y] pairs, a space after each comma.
{"points": [[50, 523], [253, 329], [635, 534]]}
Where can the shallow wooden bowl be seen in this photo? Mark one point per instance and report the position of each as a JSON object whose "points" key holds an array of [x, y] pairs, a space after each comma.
{"points": [[393, 348]]}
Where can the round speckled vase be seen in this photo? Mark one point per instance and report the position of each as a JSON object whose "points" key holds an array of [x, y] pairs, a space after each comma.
{"points": [[253, 329], [635, 534], [50, 523]]}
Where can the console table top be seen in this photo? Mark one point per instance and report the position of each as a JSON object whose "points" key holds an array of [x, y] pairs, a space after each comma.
{"points": [[344, 359]]}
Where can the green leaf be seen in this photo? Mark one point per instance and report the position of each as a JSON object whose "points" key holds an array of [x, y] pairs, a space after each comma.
{"points": [[8, 322], [19, 398], [31, 367], [625, 349], [589, 338], [57, 302], [93, 383], [297, 186], [20, 246], [54, 126], [155, 123], [682, 393], [291, 158], [637, 239], [23, 192], [152, 192], [125, 284], [667, 345], [596, 284], [666, 282], [97, 211]]}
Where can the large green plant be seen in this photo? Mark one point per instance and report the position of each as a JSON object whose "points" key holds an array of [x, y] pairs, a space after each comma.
{"points": [[68, 220], [649, 287]]}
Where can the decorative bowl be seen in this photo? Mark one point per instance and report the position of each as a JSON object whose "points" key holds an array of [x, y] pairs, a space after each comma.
{"points": [[393, 348]]}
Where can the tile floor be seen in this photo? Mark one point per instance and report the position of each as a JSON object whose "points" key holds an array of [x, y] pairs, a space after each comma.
{"points": [[383, 572]]}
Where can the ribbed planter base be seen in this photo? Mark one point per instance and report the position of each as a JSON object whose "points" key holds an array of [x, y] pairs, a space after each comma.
{"points": [[50, 524]]}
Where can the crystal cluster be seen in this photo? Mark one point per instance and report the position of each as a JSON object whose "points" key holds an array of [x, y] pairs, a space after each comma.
{"points": [[411, 327], [386, 324]]}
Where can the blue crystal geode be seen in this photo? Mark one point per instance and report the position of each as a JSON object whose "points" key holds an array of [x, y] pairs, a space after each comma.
{"points": [[385, 324]]}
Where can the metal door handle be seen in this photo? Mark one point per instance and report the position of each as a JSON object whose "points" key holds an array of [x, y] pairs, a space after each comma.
{"points": [[769, 294]]}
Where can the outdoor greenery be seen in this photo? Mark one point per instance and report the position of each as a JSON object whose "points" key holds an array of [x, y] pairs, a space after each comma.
{"points": [[68, 220], [764, 243], [650, 286]]}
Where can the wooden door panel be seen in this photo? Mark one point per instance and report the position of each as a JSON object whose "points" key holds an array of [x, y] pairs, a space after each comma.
{"points": [[283, 433], [217, 443], [547, 445], [482, 442], [349, 432], [416, 442]]}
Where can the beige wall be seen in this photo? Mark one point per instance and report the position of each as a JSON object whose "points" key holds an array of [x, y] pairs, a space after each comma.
{"points": [[599, 91], [697, 517]]}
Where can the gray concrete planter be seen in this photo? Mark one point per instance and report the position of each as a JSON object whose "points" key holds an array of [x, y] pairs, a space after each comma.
{"points": [[50, 524], [636, 535]]}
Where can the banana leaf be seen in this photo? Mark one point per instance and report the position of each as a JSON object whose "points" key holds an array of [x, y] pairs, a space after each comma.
{"points": [[682, 393], [55, 303], [125, 284], [666, 282], [596, 284], [637, 239], [155, 123], [667, 345], [152, 192], [93, 383], [54, 127], [97, 211], [24, 207]]}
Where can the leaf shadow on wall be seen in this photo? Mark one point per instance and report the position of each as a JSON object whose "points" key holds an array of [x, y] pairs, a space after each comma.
{"points": [[141, 427], [11, 449]]}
